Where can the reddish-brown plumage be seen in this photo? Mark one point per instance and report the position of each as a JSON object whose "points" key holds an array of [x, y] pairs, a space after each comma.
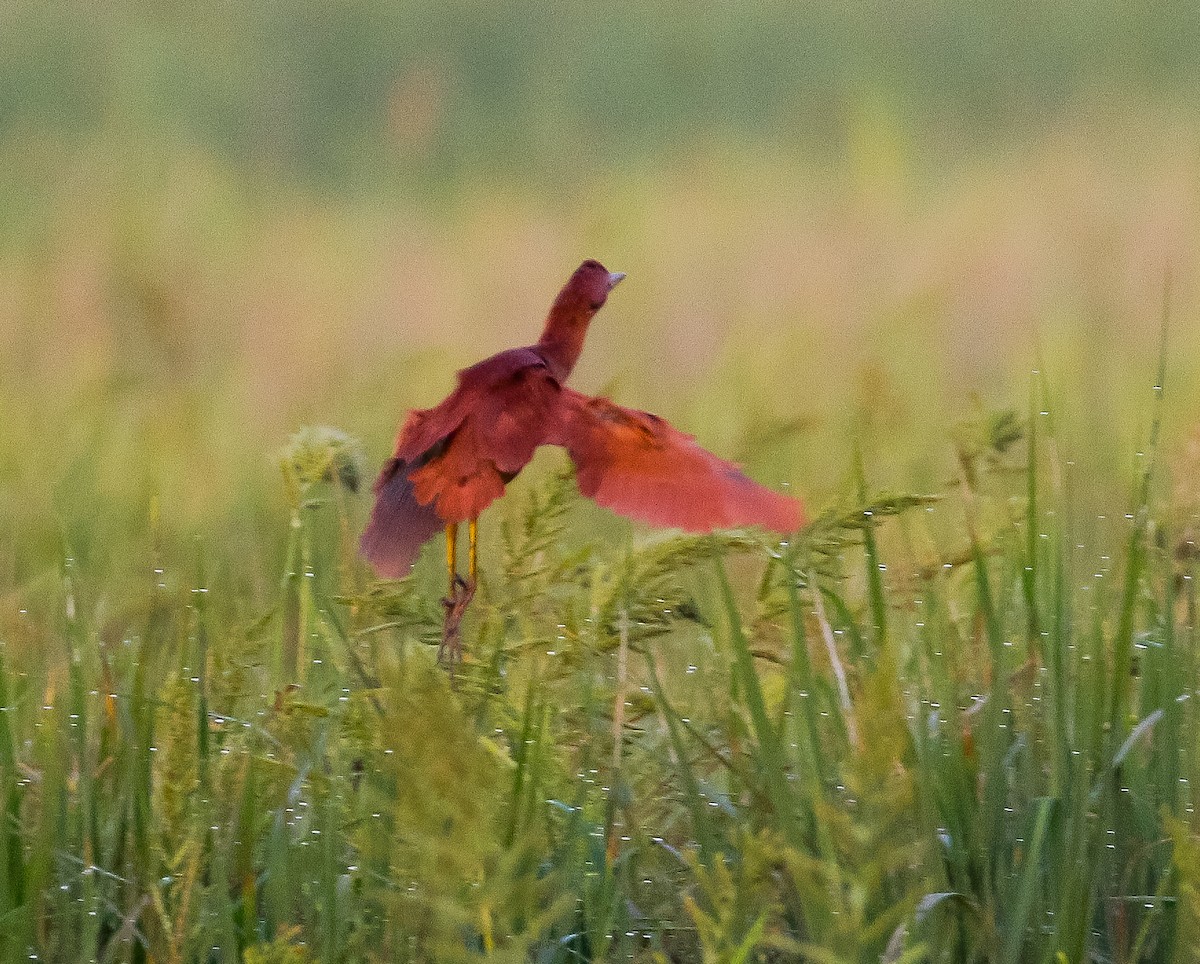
{"points": [[453, 460]]}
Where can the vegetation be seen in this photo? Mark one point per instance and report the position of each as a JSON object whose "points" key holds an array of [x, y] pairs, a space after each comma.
{"points": [[930, 728], [953, 720]]}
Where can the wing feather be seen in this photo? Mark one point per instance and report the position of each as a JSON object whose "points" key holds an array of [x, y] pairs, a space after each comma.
{"points": [[399, 523], [453, 460], [495, 440], [638, 465]]}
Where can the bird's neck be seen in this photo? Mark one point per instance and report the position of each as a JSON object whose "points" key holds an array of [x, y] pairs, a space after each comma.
{"points": [[562, 341]]}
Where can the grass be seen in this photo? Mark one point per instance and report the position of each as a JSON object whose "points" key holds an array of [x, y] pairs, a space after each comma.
{"points": [[950, 727], [954, 720], [951, 721]]}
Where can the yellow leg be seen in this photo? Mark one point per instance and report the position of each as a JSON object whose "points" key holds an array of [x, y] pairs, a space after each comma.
{"points": [[472, 557], [451, 553]]}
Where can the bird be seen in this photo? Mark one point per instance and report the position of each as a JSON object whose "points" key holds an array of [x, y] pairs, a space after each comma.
{"points": [[453, 460]]}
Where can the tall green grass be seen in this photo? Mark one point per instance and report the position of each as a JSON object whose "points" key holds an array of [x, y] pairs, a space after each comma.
{"points": [[944, 727]]}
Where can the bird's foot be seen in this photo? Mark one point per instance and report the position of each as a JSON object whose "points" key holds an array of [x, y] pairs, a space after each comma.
{"points": [[450, 651]]}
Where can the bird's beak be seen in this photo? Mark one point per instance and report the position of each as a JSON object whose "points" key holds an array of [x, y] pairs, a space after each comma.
{"points": [[615, 278]]}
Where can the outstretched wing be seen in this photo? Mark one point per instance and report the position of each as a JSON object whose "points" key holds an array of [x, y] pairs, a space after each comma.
{"points": [[453, 460], [637, 465]]}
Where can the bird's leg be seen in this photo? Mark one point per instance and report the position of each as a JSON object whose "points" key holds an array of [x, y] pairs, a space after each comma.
{"points": [[451, 554], [451, 646], [460, 594], [473, 555]]}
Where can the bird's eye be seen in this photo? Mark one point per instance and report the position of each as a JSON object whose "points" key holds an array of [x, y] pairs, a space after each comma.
{"points": [[597, 305]]}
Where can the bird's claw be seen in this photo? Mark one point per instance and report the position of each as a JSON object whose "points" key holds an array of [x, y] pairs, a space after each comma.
{"points": [[450, 651]]}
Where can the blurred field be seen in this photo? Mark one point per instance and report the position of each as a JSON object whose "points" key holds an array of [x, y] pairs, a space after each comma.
{"points": [[218, 223], [872, 249], [167, 332]]}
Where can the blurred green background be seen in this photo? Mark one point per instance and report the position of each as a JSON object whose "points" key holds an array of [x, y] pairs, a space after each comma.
{"points": [[841, 221], [859, 226]]}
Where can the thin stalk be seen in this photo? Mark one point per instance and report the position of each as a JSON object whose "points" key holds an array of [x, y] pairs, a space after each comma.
{"points": [[835, 661], [1119, 708]]}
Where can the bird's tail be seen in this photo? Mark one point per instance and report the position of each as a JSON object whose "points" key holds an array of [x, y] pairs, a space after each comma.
{"points": [[399, 524]]}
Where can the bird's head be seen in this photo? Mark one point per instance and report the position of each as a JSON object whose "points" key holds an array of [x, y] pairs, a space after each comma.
{"points": [[587, 289], [566, 326]]}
